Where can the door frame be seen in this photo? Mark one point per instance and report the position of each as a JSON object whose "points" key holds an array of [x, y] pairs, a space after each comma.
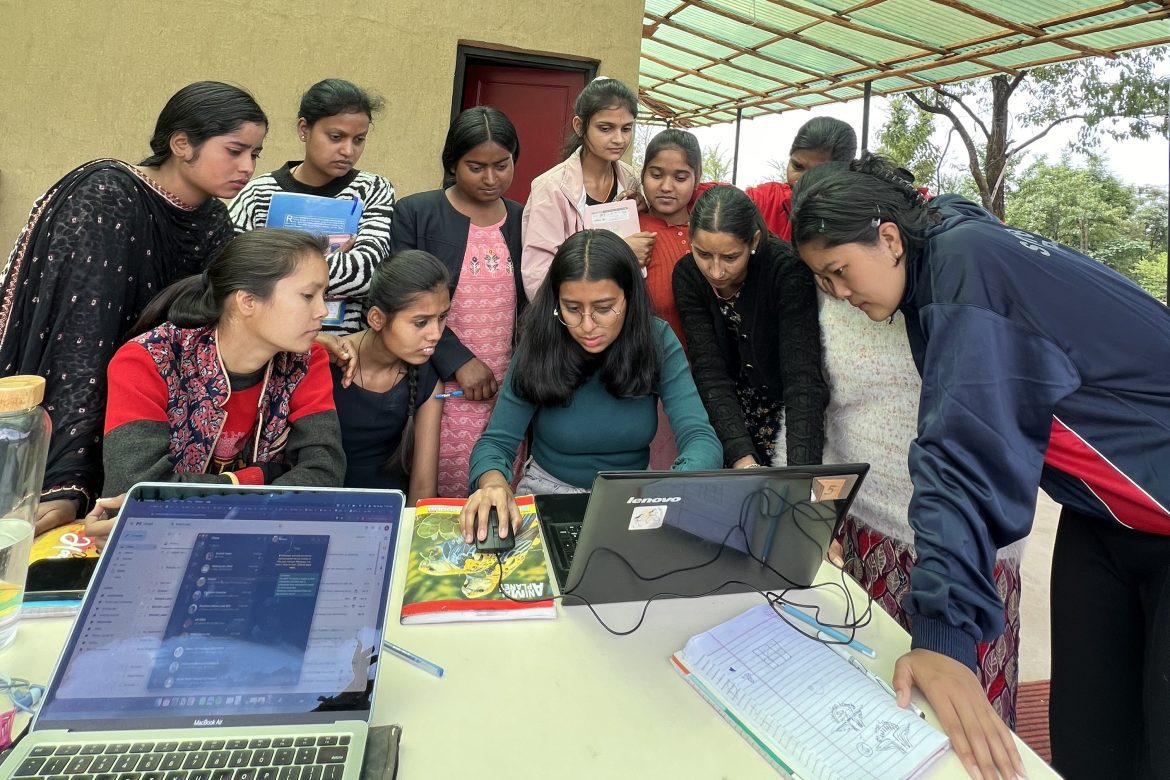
{"points": [[478, 53]]}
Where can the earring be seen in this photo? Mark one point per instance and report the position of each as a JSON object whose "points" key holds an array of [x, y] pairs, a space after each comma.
{"points": [[753, 251]]}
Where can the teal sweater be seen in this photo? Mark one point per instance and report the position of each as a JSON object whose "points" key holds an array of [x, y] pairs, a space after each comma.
{"points": [[597, 431]]}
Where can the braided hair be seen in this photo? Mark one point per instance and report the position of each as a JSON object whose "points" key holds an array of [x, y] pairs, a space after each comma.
{"points": [[395, 285], [403, 457], [844, 203]]}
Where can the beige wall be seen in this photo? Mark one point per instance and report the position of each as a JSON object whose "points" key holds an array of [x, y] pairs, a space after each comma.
{"points": [[81, 79]]}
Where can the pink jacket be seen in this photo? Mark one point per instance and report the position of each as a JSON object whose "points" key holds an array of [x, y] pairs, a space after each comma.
{"points": [[555, 211]]}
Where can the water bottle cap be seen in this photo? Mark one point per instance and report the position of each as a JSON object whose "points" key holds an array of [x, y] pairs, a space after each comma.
{"points": [[21, 392]]}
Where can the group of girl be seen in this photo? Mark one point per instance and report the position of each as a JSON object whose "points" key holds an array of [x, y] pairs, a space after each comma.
{"points": [[463, 329]]}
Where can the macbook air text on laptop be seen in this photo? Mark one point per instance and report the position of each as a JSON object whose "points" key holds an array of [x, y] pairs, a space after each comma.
{"points": [[690, 533], [228, 633]]}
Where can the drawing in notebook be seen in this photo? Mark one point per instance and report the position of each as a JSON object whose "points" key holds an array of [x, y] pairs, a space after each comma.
{"points": [[801, 705]]}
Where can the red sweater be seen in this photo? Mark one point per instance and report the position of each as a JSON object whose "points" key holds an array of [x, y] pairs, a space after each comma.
{"points": [[772, 198], [139, 393], [672, 245]]}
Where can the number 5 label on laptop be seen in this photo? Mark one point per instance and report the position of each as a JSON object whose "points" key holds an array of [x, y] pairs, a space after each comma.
{"points": [[646, 518]]}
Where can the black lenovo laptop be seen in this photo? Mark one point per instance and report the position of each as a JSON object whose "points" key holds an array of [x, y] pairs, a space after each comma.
{"points": [[678, 533]]}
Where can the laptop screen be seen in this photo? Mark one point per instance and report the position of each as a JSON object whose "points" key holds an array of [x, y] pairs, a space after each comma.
{"points": [[231, 609]]}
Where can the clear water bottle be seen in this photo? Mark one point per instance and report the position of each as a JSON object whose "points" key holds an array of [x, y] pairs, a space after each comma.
{"points": [[24, 445]]}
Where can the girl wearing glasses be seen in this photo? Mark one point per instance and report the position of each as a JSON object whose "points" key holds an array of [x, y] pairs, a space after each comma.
{"points": [[1040, 368], [749, 311], [591, 366]]}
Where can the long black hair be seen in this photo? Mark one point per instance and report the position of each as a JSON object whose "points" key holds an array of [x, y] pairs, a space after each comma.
{"points": [[683, 141], [598, 95], [337, 96], [473, 127], [395, 285], [550, 364], [253, 262], [844, 203], [826, 134], [726, 209], [201, 110]]}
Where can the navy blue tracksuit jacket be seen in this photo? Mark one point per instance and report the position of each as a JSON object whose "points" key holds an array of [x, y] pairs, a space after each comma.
{"points": [[1040, 366]]}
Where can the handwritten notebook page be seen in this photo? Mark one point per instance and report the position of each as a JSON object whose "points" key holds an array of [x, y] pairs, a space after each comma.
{"points": [[825, 717]]}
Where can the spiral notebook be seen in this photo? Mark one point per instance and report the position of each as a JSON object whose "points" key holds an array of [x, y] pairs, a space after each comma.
{"points": [[803, 707]]}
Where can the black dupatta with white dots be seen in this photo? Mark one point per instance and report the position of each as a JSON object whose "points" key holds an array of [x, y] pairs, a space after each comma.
{"points": [[98, 245]]}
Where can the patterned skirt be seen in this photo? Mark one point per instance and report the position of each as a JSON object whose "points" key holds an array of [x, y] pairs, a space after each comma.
{"points": [[761, 415], [883, 565]]}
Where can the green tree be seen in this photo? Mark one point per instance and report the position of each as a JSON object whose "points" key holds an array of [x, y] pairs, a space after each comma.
{"points": [[643, 132], [1150, 219], [1150, 273], [1087, 208], [1120, 98], [906, 138], [716, 164]]}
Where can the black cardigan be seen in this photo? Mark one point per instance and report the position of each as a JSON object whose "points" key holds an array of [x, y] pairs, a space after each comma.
{"points": [[779, 350], [429, 222]]}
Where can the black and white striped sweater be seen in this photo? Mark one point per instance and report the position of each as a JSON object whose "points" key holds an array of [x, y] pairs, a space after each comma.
{"points": [[349, 272]]}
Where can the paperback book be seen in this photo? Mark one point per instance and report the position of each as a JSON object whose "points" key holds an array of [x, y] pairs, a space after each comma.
{"points": [[447, 580]]}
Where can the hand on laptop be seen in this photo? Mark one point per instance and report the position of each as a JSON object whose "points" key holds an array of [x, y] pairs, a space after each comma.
{"points": [[100, 520], [494, 490]]}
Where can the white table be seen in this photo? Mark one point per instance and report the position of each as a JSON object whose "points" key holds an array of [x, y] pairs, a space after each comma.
{"points": [[559, 698]]}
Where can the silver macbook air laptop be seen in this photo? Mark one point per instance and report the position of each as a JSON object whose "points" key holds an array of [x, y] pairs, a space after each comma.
{"points": [[694, 533], [229, 633]]}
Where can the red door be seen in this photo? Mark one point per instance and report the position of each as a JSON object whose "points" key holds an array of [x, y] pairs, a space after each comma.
{"points": [[539, 101]]}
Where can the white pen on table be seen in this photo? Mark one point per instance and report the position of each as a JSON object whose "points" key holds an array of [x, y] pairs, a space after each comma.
{"points": [[885, 686]]}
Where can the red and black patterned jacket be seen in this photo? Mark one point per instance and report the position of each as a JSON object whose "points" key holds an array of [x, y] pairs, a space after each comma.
{"points": [[168, 393]]}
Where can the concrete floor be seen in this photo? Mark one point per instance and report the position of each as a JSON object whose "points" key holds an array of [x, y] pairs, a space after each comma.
{"points": [[1035, 646]]}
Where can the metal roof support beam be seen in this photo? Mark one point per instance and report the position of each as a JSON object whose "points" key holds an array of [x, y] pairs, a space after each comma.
{"points": [[865, 116], [735, 154]]}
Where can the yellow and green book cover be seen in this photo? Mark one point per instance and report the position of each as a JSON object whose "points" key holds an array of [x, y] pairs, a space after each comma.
{"points": [[447, 580]]}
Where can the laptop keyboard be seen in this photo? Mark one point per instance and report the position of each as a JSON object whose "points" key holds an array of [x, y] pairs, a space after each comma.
{"points": [[567, 535], [275, 758]]}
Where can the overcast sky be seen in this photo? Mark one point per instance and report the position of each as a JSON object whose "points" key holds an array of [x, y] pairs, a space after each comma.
{"points": [[769, 137]]}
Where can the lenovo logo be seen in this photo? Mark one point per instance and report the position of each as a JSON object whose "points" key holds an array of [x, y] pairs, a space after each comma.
{"points": [[656, 500]]}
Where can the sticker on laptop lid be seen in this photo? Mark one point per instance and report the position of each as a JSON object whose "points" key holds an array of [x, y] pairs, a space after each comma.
{"points": [[833, 488], [647, 518]]}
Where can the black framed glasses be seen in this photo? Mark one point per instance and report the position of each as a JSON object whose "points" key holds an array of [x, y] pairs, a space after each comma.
{"points": [[574, 316], [25, 696]]}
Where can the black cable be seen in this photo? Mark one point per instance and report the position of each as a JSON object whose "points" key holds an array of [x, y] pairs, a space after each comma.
{"points": [[849, 626]]}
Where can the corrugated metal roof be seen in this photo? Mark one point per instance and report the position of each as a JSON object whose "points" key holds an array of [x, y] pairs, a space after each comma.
{"points": [[704, 59]]}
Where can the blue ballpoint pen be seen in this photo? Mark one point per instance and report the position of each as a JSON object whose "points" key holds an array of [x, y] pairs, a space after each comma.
{"points": [[829, 631], [413, 660], [445, 396]]}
